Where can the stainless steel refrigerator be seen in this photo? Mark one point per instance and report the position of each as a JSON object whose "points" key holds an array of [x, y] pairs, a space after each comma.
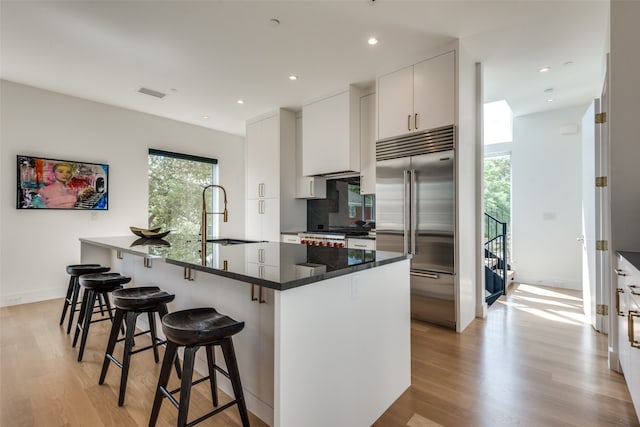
{"points": [[415, 214]]}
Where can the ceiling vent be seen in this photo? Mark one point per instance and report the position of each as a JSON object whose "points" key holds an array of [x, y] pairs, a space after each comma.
{"points": [[152, 92]]}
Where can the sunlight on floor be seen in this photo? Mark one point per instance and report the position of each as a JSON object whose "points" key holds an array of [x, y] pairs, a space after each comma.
{"points": [[545, 292], [569, 310]]}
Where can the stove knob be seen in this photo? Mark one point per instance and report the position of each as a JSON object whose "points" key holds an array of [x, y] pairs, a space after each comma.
{"points": [[303, 242], [320, 243], [341, 245], [336, 245]]}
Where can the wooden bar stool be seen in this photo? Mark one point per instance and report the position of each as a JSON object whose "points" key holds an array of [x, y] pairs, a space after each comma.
{"points": [[129, 304], [95, 286], [192, 329], [73, 290]]}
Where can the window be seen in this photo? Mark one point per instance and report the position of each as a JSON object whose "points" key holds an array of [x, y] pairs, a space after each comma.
{"points": [[176, 182], [361, 207], [498, 122]]}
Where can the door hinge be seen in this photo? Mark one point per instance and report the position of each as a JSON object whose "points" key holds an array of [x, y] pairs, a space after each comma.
{"points": [[601, 181], [602, 309], [601, 118], [602, 245]]}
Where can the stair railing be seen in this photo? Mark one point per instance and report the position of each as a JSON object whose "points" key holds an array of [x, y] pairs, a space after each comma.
{"points": [[495, 255]]}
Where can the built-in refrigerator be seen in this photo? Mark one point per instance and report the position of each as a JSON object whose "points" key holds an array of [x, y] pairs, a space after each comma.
{"points": [[415, 214]]}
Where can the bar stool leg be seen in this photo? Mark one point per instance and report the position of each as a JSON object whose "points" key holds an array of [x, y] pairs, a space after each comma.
{"points": [[170, 355], [234, 375], [87, 322], [185, 386], [154, 336], [213, 380], [130, 318], [67, 299], [111, 345], [83, 309], [75, 293], [162, 311]]}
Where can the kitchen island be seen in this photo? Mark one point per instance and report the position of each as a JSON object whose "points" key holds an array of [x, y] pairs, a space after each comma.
{"points": [[327, 330]]}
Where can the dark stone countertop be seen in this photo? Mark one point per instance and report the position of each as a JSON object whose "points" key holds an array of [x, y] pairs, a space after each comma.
{"points": [[284, 265], [632, 257]]}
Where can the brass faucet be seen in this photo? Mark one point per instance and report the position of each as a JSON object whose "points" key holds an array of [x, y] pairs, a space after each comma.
{"points": [[224, 213]]}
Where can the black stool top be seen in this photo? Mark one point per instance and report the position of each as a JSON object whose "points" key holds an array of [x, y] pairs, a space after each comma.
{"points": [[199, 326], [103, 281], [79, 269], [140, 298]]}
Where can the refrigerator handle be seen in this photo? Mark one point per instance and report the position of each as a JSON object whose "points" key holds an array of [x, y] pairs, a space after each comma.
{"points": [[405, 212], [414, 211]]}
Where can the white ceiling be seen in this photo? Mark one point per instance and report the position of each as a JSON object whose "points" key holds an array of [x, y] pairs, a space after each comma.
{"points": [[205, 55]]}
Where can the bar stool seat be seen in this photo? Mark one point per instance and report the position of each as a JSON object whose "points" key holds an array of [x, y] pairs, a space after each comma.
{"points": [[130, 303], [193, 329], [73, 289], [95, 286]]}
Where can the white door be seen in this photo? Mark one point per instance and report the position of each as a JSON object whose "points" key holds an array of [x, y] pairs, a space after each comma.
{"points": [[434, 92], [603, 219], [588, 237]]}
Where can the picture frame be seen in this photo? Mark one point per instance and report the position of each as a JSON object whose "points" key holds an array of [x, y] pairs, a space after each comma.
{"points": [[44, 183]]}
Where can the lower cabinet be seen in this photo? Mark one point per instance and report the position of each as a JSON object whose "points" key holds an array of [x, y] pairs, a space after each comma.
{"points": [[628, 312]]}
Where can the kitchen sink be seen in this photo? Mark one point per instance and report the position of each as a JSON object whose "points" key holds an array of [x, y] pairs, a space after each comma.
{"points": [[227, 242]]}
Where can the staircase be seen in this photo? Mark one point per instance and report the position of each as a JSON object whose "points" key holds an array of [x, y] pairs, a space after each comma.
{"points": [[496, 268]]}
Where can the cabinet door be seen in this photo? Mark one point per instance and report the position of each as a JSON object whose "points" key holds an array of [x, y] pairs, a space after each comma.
{"points": [[254, 219], [270, 157], [271, 220], [634, 350], [434, 92], [311, 187], [395, 103], [367, 144], [325, 135], [263, 158], [255, 145]]}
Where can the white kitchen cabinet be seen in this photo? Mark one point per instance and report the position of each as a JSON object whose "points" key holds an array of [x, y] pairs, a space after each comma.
{"points": [[307, 187], [629, 324], [290, 238], [366, 244], [270, 156], [368, 144], [417, 98], [331, 134], [263, 219], [263, 164]]}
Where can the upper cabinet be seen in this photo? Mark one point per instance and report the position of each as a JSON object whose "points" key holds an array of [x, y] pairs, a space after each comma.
{"points": [[307, 187], [331, 134], [417, 98], [263, 158]]}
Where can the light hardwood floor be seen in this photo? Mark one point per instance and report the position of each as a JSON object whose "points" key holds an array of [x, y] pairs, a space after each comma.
{"points": [[532, 362]]}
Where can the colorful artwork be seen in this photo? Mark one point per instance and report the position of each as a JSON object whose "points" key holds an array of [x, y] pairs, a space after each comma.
{"points": [[61, 184]]}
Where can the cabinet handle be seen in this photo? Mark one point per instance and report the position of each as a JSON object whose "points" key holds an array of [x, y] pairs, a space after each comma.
{"points": [[311, 187], [146, 262], [261, 299], [261, 206], [620, 272], [253, 293], [409, 122], [618, 292], [415, 121], [633, 289], [261, 255], [360, 246], [632, 338], [119, 254]]}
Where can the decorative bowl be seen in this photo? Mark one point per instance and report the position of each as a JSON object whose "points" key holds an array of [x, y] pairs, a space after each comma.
{"points": [[138, 231], [149, 234]]}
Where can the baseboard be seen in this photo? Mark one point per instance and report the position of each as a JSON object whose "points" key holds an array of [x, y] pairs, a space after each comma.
{"points": [[32, 296], [576, 286]]}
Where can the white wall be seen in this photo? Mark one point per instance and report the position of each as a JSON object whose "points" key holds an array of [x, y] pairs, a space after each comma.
{"points": [[546, 199], [36, 245]]}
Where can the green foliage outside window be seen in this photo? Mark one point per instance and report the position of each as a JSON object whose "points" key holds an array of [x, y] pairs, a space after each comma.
{"points": [[497, 187], [175, 193]]}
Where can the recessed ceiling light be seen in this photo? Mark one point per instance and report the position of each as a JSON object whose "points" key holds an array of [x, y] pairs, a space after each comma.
{"points": [[205, 117], [274, 22], [293, 77], [240, 101], [372, 41], [550, 100], [544, 69]]}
